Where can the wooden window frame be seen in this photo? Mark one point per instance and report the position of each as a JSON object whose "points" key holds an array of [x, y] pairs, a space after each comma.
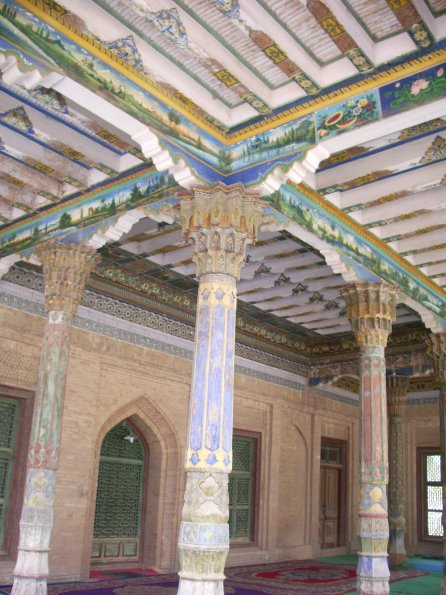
{"points": [[422, 452], [8, 549], [254, 529]]}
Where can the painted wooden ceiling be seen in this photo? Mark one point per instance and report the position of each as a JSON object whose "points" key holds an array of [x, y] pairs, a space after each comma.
{"points": [[347, 98]]}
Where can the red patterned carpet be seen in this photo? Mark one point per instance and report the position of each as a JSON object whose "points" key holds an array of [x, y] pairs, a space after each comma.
{"points": [[307, 577]]}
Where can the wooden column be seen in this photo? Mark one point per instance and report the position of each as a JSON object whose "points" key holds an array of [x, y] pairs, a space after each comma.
{"points": [[221, 223], [66, 268], [396, 405], [371, 310]]}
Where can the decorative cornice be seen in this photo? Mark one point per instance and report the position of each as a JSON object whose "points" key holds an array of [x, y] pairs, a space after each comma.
{"points": [[145, 302]]}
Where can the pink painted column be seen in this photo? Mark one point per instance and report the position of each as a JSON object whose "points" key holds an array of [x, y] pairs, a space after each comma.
{"points": [[66, 268], [437, 351], [396, 405], [371, 310]]}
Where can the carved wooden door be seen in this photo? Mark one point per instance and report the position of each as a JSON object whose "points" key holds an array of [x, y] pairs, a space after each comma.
{"points": [[329, 507]]}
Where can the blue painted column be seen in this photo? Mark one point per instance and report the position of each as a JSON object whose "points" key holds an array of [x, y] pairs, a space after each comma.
{"points": [[371, 309], [437, 350], [221, 222], [66, 268]]}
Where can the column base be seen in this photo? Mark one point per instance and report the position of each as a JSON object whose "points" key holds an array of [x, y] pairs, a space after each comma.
{"points": [[397, 558], [397, 549], [200, 587], [373, 575], [29, 586], [443, 587]]}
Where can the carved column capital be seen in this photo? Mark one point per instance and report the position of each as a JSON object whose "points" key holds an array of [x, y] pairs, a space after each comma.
{"points": [[371, 309], [396, 389], [221, 222], [66, 268], [436, 349]]}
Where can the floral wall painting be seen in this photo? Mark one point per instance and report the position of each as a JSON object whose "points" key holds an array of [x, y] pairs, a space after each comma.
{"points": [[414, 90], [346, 115]]}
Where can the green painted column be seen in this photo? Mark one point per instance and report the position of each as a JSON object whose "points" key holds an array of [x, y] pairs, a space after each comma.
{"points": [[437, 351], [396, 405], [66, 268], [221, 222], [371, 310]]}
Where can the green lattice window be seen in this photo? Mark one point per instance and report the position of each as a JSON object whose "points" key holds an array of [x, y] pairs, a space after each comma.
{"points": [[120, 485], [432, 494], [241, 489], [9, 417]]}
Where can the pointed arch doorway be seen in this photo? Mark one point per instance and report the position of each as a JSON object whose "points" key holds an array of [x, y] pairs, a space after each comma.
{"points": [[117, 533]]}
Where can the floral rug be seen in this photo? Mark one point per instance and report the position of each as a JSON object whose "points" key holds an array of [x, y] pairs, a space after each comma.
{"points": [[309, 577], [306, 577]]}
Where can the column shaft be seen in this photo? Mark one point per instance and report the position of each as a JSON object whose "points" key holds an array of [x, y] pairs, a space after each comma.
{"points": [[373, 527], [396, 393], [204, 533], [66, 268]]}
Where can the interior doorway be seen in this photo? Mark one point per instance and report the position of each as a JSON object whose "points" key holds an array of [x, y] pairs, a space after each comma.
{"points": [[332, 493], [119, 510]]}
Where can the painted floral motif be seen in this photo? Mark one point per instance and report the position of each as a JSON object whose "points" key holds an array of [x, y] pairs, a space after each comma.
{"points": [[436, 151], [414, 90], [359, 60], [347, 115], [282, 279], [422, 128], [50, 98], [229, 7], [18, 118], [262, 271], [170, 24], [126, 49], [421, 35]]}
